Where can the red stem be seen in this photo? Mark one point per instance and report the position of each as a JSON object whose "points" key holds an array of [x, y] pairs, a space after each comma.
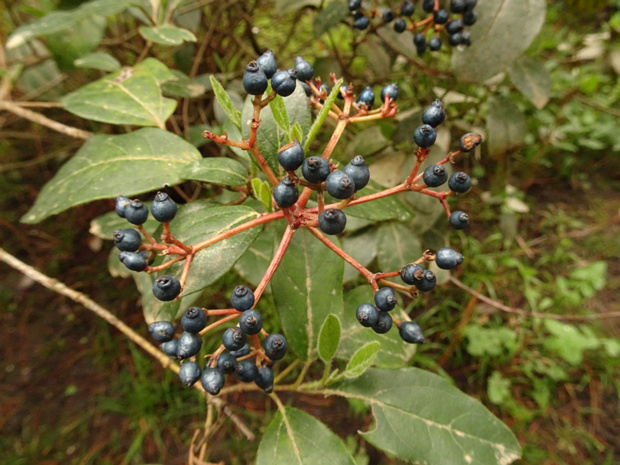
{"points": [[275, 262]]}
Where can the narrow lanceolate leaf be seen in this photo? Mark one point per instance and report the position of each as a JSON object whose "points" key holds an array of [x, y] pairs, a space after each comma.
{"points": [[421, 417], [98, 60], [224, 171], [362, 359], [307, 287], [167, 35], [279, 113], [130, 96], [271, 137], [295, 438], [320, 118], [107, 166], [497, 40], [532, 79], [198, 221], [220, 94], [262, 193], [329, 337]]}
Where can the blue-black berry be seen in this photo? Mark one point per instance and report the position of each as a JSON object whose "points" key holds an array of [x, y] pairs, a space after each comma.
{"points": [[227, 363], [434, 114], [245, 350], [400, 25], [391, 90], [161, 331], [459, 220], [428, 281], [189, 345], [457, 6], [163, 208], [454, 26], [412, 273], [247, 370], [170, 347], [455, 39], [189, 373], [385, 299], [360, 21], [284, 82], [366, 97], [470, 18], [305, 72], [428, 5], [441, 16], [407, 8], [332, 221], [291, 156], [275, 346], [411, 332], [383, 324], [233, 338], [166, 288], [251, 322], [387, 16], [340, 185], [285, 193], [242, 298], [194, 320], [127, 240], [459, 182], [264, 379], [133, 261], [355, 4], [121, 203], [254, 79], [435, 175], [212, 380], [434, 44], [367, 315], [357, 170], [425, 135], [267, 63], [315, 169], [136, 212], [447, 258]]}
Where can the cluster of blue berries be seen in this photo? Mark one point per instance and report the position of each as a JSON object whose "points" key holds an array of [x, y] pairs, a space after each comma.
{"points": [[259, 72], [452, 21], [238, 357]]}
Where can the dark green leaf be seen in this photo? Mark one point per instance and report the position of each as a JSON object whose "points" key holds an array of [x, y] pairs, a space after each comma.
{"points": [[198, 221], [307, 287], [271, 137], [296, 132], [224, 171], [362, 247], [500, 36], [107, 166], [253, 264], [398, 246], [262, 193], [329, 337], [167, 34], [330, 16], [415, 409], [386, 208], [279, 113], [98, 60], [130, 96], [295, 438], [284, 6], [320, 118], [57, 21], [183, 86], [362, 359], [220, 94], [505, 125], [367, 142], [532, 79], [82, 38], [394, 352]]}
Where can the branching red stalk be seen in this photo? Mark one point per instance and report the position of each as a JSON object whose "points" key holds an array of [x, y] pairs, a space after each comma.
{"points": [[275, 262]]}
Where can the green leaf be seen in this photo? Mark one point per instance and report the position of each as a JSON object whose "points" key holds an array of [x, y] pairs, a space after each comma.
{"points": [[415, 409], [284, 6], [329, 337], [307, 287], [183, 86], [83, 37], [498, 388], [397, 247], [224, 171], [505, 125], [569, 342], [57, 21], [296, 133], [107, 166], [492, 342], [130, 96], [497, 40], [200, 220], [220, 94], [367, 142], [330, 16], [271, 137], [280, 115], [98, 60], [362, 359], [532, 79], [295, 438], [263, 193], [386, 208], [167, 34], [255, 261], [361, 246], [320, 118], [393, 354]]}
